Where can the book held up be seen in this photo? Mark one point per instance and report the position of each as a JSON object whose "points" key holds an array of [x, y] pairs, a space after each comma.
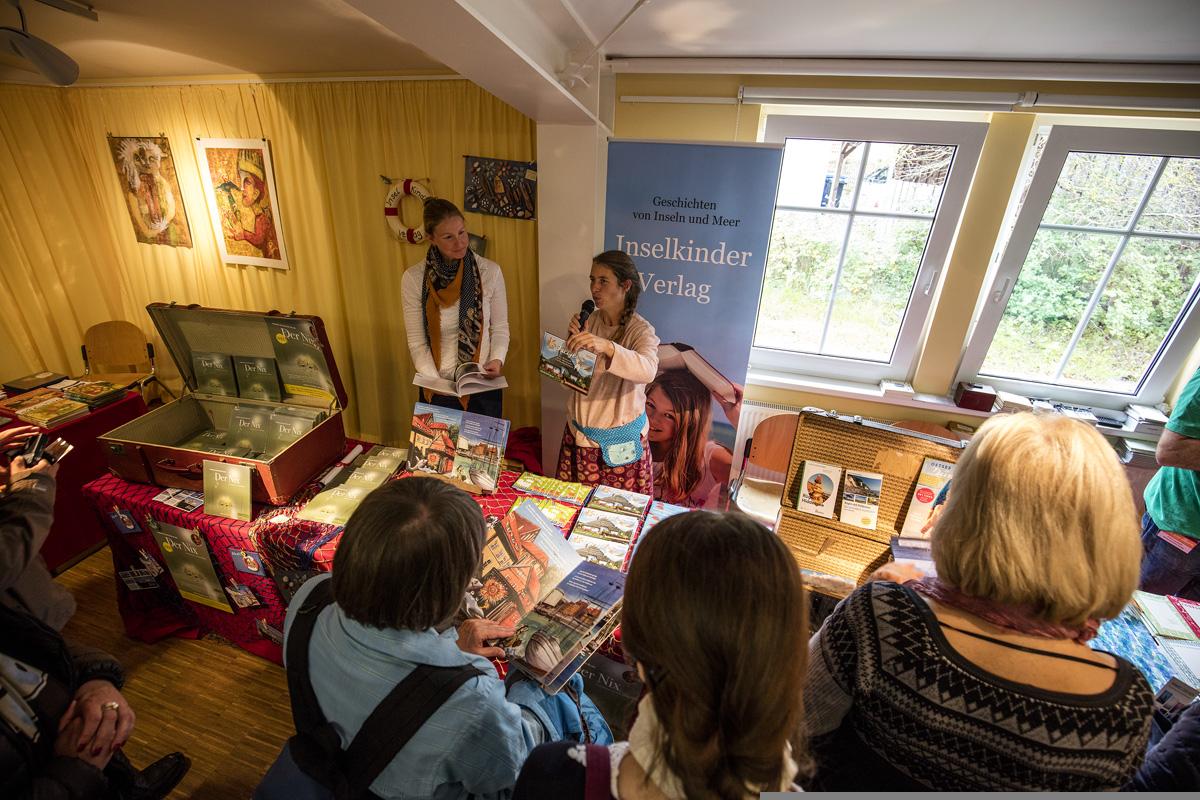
{"points": [[469, 378]]}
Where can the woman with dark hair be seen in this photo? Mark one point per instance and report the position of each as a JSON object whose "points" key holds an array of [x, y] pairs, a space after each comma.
{"points": [[605, 438], [723, 707], [689, 468], [455, 310], [399, 579]]}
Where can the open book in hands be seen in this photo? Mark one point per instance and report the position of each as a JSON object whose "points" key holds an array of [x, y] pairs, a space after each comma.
{"points": [[682, 356], [469, 378]]}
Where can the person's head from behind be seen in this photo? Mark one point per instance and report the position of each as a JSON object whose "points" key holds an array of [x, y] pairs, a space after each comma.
{"points": [[407, 555], [715, 617], [679, 408], [615, 284], [1041, 516], [447, 228]]}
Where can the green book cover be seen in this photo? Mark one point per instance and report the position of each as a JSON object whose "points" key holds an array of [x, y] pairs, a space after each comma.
{"points": [[334, 506], [365, 476], [285, 429], [187, 559], [301, 360], [204, 440], [256, 378], [214, 374], [249, 427], [227, 490]]}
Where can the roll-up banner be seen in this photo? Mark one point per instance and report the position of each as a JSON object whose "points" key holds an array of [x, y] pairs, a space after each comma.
{"points": [[696, 218]]}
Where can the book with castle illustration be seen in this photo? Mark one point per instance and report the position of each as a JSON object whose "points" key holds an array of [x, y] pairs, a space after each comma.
{"points": [[573, 370], [227, 490], [469, 378], [187, 559], [567, 624]]}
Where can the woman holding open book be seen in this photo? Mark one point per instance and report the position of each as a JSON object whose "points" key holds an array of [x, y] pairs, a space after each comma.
{"points": [[605, 438], [455, 312], [981, 678]]}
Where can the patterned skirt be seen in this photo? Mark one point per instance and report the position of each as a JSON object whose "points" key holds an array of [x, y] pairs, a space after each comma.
{"points": [[586, 465]]}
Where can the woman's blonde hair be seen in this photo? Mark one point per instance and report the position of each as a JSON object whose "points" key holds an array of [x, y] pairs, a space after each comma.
{"points": [[1040, 514]]}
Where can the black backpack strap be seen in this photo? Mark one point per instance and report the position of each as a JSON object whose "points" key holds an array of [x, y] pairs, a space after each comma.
{"points": [[317, 749], [397, 719]]}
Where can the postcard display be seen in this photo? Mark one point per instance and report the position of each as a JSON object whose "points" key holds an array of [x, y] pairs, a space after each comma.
{"points": [[285, 442], [837, 555]]}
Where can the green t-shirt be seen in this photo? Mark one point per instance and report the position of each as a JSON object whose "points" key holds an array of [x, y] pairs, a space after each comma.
{"points": [[1173, 495]]}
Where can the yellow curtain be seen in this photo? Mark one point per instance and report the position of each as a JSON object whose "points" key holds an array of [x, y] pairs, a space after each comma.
{"points": [[69, 257]]}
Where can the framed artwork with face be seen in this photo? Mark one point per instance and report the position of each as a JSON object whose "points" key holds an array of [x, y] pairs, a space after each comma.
{"points": [[239, 181], [149, 185]]}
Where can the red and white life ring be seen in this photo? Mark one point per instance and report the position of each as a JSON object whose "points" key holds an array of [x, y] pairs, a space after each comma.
{"points": [[391, 209]]}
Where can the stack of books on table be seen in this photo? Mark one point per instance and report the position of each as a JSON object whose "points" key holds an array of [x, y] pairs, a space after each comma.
{"points": [[94, 393], [1137, 453], [45, 408], [1144, 419], [19, 402]]}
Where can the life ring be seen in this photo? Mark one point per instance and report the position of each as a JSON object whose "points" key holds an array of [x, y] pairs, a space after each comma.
{"points": [[391, 209]]}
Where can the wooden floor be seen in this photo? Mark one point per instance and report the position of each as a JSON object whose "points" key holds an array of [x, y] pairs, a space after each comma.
{"points": [[225, 708]]}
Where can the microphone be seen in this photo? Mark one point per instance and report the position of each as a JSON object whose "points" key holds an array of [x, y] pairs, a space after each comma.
{"points": [[585, 311]]}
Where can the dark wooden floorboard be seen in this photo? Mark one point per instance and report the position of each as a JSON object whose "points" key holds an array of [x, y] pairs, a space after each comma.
{"points": [[227, 709]]}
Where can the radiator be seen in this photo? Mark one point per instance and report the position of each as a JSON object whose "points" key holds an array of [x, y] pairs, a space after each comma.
{"points": [[752, 414]]}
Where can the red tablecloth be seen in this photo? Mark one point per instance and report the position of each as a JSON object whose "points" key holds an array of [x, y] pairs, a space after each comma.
{"points": [[75, 530]]}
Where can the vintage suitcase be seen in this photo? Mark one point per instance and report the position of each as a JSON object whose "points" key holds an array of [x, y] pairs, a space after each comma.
{"points": [[835, 556], [158, 448]]}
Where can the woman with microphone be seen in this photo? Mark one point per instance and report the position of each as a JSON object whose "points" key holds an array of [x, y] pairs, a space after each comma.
{"points": [[605, 438]]}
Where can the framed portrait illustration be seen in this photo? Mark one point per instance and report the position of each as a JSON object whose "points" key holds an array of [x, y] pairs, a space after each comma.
{"points": [[146, 172], [240, 183]]}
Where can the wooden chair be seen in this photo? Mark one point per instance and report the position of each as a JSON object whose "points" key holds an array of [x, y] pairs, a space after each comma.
{"points": [[118, 352], [760, 485]]}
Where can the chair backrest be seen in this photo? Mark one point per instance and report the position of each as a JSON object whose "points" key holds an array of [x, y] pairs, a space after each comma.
{"points": [[771, 447], [118, 344]]}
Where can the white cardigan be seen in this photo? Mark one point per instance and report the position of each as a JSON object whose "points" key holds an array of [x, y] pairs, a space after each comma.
{"points": [[494, 344]]}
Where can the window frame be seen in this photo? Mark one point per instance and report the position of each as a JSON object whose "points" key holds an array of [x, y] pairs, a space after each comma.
{"points": [[993, 300], [967, 138]]}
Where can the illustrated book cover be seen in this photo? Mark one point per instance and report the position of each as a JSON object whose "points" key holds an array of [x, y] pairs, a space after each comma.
{"points": [[434, 438], [479, 450], [934, 475], [565, 491], [619, 501], [573, 370], [817, 493], [227, 490]]}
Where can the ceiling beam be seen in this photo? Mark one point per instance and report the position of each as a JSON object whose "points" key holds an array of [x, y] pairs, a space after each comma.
{"points": [[501, 45]]}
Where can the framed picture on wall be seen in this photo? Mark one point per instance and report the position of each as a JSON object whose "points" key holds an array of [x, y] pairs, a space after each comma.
{"points": [[148, 183], [240, 183]]}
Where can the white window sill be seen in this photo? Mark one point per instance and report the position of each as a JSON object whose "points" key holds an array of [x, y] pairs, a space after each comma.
{"points": [[854, 391]]}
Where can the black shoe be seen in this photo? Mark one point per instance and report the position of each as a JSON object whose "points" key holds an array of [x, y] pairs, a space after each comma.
{"points": [[157, 780]]}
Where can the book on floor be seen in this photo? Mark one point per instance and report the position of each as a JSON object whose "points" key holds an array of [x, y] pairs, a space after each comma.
{"points": [[934, 475], [860, 498], [567, 623], [188, 560], [480, 449], [469, 378], [434, 438], [817, 491], [573, 370]]}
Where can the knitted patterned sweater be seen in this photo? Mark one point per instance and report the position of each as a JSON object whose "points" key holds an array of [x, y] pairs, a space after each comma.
{"points": [[891, 705]]}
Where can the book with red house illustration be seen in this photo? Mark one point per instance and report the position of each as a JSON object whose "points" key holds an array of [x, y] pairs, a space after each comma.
{"points": [[434, 439]]}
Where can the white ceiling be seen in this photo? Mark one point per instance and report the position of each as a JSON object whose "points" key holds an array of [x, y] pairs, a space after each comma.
{"points": [[1084, 30], [162, 38], [155, 38]]}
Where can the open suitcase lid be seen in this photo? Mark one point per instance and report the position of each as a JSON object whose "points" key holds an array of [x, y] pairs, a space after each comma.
{"points": [[298, 345]]}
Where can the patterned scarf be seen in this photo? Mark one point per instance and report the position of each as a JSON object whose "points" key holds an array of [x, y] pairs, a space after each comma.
{"points": [[444, 285], [1016, 618]]}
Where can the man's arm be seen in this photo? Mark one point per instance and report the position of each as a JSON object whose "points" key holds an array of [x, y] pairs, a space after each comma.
{"points": [[1175, 450], [26, 513]]}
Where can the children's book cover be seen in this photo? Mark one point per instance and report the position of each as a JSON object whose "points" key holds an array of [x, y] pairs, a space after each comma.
{"points": [[187, 559]]}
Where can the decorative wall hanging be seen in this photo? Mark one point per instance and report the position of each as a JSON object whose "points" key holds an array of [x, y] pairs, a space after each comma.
{"points": [[500, 188], [243, 201], [408, 187], [146, 171]]}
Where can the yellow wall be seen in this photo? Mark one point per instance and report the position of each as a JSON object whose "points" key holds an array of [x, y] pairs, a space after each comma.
{"points": [[69, 257], [1003, 149]]}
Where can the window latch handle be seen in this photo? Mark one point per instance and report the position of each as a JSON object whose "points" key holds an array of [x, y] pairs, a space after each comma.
{"points": [[932, 281], [998, 295]]}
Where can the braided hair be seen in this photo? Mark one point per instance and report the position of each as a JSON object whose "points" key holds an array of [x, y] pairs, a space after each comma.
{"points": [[623, 269]]}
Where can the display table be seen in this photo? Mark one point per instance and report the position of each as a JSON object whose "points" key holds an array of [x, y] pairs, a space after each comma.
{"points": [[75, 531]]}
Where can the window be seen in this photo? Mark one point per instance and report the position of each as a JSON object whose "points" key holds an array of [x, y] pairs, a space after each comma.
{"points": [[864, 215], [1094, 299]]}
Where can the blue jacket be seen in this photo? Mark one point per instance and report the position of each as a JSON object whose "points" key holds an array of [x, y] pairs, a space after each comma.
{"points": [[1174, 763]]}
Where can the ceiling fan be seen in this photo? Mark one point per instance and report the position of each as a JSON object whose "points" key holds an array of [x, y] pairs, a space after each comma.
{"points": [[57, 66]]}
